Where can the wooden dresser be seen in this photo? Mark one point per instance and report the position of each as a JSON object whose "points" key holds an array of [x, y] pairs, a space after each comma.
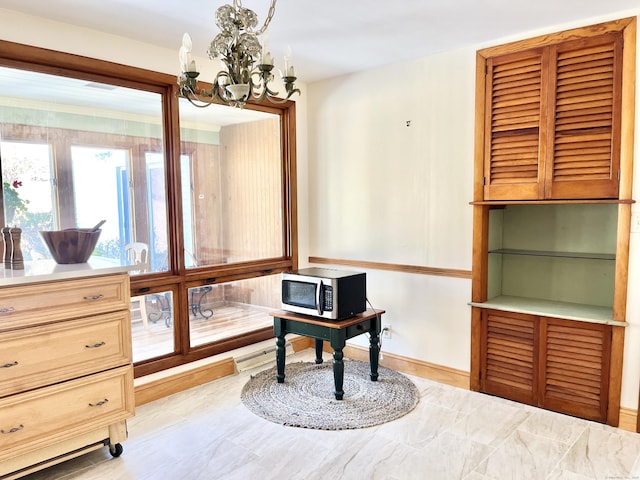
{"points": [[66, 374]]}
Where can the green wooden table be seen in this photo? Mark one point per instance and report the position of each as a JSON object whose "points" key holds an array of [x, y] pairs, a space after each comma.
{"points": [[336, 332]]}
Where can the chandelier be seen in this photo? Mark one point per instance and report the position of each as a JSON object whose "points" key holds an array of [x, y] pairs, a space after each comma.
{"points": [[248, 63]]}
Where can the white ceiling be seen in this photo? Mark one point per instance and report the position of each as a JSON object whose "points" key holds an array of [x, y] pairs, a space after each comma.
{"points": [[330, 37]]}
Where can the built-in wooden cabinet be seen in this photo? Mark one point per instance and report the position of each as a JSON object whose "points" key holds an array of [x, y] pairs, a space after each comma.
{"points": [[558, 364], [547, 318], [552, 209], [557, 260], [551, 124], [66, 374], [574, 367], [509, 355]]}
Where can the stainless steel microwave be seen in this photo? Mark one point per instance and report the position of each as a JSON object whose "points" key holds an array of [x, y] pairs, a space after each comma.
{"points": [[324, 292]]}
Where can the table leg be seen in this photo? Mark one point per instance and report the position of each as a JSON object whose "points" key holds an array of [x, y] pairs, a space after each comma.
{"points": [[319, 344], [280, 356], [196, 304], [338, 373], [374, 354]]}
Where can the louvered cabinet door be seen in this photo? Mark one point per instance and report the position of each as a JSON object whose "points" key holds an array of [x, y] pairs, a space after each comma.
{"points": [[509, 355], [514, 104], [575, 367], [585, 101]]}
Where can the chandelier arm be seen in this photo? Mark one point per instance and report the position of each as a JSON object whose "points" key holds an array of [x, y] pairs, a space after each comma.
{"points": [[272, 96], [277, 101], [209, 97], [263, 79], [193, 102], [205, 99]]}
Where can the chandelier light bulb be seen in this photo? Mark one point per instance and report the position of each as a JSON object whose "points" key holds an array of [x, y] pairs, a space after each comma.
{"points": [[187, 43], [288, 65], [265, 57], [187, 64], [184, 61]]}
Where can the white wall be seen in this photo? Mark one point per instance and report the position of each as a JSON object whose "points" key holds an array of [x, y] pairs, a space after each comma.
{"points": [[372, 188], [380, 190]]}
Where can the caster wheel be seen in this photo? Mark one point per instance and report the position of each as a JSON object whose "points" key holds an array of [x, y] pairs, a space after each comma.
{"points": [[115, 450]]}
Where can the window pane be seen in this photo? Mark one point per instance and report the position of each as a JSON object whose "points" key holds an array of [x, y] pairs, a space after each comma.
{"points": [[110, 166], [230, 309], [234, 168], [157, 208], [99, 151], [28, 194], [152, 325]]}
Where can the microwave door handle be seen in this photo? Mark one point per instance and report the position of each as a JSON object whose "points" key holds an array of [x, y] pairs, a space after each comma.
{"points": [[318, 292]]}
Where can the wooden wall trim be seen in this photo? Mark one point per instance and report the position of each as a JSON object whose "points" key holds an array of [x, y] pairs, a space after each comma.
{"points": [[395, 267], [162, 384], [146, 392], [628, 418], [412, 366]]}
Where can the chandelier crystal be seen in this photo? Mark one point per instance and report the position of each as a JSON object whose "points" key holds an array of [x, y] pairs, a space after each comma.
{"points": [[248, 63]]}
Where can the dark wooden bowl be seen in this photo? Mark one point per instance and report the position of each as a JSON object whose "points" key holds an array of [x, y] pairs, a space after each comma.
{"points": [[74, 245]]}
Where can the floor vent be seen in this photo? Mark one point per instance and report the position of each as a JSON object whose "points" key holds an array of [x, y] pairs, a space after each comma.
{"points": [[260, 357]]}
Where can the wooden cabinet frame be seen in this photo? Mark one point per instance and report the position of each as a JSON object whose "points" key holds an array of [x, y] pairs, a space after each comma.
{"points": [[547, 362], [481, 206]]}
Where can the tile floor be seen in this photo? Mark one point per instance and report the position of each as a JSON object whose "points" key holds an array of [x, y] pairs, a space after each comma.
{"points": [[206, 433]]}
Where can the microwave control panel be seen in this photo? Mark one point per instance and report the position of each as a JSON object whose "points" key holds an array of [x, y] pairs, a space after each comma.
{"points": [[328, 298]]}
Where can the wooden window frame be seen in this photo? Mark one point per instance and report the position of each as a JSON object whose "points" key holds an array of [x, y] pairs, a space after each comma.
{"points": [[178, 278]]}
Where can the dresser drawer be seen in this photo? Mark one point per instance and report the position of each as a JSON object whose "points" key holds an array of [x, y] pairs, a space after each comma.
{"points": [[39, 303], [39, 418], [47, 354]]}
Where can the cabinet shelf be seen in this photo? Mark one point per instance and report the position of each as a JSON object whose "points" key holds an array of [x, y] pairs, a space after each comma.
{"points": [[542, 253], [586, 201], [551, 308]]}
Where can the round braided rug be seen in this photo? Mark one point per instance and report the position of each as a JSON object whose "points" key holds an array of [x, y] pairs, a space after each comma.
{"points": [[306, 398]]}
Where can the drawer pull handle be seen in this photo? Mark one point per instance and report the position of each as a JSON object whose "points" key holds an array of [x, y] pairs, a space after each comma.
{"points": [[96, 345], [13, 430], [9, 365], [100, 403], [7, 310], [94, 297]]}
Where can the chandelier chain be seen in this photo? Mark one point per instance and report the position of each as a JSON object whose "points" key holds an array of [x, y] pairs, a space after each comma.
{"points": [[267, 21]]}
